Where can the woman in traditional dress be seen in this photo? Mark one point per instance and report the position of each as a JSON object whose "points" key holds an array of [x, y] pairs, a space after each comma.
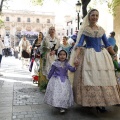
{"points": [[36, 58], [24, 52], [50, 46], [94, 83]]}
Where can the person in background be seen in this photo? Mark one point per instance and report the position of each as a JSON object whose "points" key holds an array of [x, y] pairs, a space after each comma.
{"points": [[65, 45], [59, 91], [94, 82], [50, 45], [74, 38], [7, 45], [35, 57], [24, 46], [111, 39], [1, 48]]}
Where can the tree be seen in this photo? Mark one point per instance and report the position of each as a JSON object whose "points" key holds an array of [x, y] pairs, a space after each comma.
{"points": [[1, 23], [1, 5], [112, 4], [84, 6]]}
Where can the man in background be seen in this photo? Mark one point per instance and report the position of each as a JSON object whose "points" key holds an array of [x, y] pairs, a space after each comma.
{"points": [[1, 48], [111, 39]]}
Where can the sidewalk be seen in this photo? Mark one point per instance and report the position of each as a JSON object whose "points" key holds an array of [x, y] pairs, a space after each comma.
{"points": [[20, 99]]}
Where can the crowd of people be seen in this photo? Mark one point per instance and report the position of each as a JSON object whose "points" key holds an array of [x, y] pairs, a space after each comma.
{"points": [[93, 84], [91, 80]]}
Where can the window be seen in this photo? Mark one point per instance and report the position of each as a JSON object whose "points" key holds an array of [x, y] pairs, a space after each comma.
{"points": [[37, 20], [7, 19], [18, 19], [28, 19], [48, 20]]}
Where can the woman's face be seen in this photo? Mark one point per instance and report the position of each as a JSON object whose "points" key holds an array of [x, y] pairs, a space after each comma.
{"points": [[64, 40], [24, 38], [40, 36], [52, 30], [93, 17]]}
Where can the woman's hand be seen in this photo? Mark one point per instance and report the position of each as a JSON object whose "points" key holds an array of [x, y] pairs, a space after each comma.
{"points": [[115, 58], [76, 63]]}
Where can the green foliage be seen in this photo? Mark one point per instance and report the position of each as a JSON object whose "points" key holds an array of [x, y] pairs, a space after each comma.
{"points": [[1, 23], [40, 2], [112, 4], [37, 2]]}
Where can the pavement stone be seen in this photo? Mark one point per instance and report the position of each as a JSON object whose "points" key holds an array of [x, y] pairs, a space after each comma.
{"points": [[20, 99]]}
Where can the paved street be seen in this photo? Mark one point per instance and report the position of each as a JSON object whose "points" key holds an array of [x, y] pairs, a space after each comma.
{"points": [[20, 99]]}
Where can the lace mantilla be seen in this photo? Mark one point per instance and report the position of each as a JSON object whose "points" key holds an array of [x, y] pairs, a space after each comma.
{"points": [[88, 31]]}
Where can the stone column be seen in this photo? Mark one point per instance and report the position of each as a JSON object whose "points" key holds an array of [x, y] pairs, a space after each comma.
{"points": [[116, 25]]}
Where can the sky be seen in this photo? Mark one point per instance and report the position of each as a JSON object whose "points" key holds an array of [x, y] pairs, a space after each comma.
{"points": [[65, 7]]}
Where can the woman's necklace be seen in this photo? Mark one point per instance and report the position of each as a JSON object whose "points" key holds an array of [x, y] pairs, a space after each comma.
{"points": [[96, 33], [93, 27]]}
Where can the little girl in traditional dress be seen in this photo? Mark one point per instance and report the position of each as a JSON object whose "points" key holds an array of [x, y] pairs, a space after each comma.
{"points": [[59, 91]]}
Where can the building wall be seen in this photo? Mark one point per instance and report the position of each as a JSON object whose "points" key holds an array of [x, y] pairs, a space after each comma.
{"points": [[13, 26], [117, 25]]}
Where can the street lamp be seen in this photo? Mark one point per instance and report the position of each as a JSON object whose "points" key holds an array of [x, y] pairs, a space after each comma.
{"points": [[78, 7]]}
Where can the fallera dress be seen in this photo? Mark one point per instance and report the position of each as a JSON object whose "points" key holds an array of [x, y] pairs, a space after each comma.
{"points": [[94, 81], [59, 91]]}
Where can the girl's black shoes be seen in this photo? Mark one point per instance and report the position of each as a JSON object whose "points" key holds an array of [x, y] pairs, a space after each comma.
{"points": [[101, 110]]}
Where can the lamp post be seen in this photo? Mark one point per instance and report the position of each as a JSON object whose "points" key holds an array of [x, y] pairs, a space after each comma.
{"points": [[78, 7]]}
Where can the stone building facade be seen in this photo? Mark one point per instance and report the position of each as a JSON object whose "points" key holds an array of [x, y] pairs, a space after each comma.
{"points": [[18, 23], [117, 26]]}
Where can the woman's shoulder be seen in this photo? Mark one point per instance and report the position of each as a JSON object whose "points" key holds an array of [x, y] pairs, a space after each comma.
{"points": [[90, 32], [88, 28]]}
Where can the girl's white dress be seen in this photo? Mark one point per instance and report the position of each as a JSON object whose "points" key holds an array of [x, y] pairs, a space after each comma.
{"points": [[59, 92]]}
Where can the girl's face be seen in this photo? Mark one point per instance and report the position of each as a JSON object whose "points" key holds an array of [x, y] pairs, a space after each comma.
{"points": [[62, 56], [93, 17]]}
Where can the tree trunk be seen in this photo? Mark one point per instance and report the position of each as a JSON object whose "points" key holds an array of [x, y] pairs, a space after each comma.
{"points": [[1, 5], [84, 6]]}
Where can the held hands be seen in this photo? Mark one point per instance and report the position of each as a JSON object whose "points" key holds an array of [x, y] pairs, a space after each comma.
{"points": [[76, 63]]}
